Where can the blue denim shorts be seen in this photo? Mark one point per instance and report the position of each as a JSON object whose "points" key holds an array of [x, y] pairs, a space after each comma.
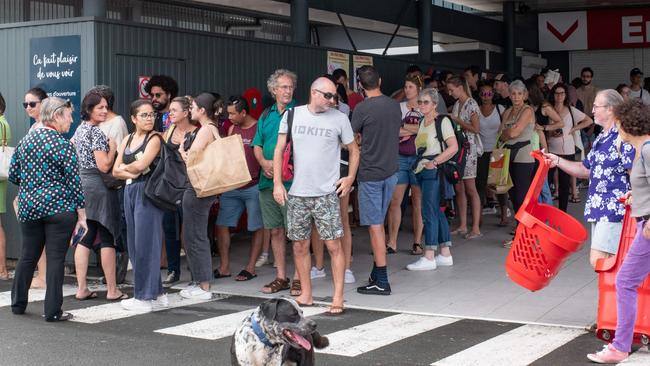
{"points": [[605, 236], [233, 203], [405, 174], [374, 199]]}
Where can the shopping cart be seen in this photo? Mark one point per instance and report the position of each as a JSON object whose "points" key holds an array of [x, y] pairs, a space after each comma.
{"points": [[545, 237], [607, 269]]}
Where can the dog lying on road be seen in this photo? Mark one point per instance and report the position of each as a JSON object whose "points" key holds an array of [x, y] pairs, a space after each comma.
{"points": [[276, 333]]}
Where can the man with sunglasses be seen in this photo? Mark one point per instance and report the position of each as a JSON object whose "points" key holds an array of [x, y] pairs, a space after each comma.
{"points": [[317, 132], [162, 90], [378, 120]]}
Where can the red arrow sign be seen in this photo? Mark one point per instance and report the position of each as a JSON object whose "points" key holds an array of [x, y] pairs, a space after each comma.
{"points": [[562, 36]]}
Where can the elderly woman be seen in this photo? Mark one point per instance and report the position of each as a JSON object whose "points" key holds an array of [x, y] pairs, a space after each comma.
{"points": [[96, 154], [634, 125], [50, 204], [432, 154], [606, 166]]}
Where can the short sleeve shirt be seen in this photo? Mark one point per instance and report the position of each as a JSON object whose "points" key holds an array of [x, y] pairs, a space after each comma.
{"points": [[316, 139], [88, 139], [427, 138], [608, 162], [266, 137], [115, 129]]}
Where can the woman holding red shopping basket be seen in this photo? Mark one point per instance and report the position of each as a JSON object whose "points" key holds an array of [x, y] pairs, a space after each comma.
{"points": [[633, 120]]}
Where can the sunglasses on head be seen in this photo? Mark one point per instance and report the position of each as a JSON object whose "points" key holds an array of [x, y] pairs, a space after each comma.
{"points": [[30, 104], [67, 104], [328, 95]]}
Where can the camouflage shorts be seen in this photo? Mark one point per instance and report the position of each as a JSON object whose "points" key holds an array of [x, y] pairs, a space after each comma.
{"points": [[323, 211]]}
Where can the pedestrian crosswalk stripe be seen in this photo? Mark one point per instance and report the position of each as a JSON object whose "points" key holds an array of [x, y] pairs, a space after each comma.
{"points": [[35, 295], [114, 311], [379, 333], [638, 358], [221, 326], [520, 346]]}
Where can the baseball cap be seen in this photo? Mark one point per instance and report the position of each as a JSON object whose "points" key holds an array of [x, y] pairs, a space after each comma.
{"points": [[636, 71], [502, 77]]}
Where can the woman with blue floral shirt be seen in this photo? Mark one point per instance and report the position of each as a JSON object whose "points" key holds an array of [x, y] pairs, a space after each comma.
{"points": [[607, 166]]}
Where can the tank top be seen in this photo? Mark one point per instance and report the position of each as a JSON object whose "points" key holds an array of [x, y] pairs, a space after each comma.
{"points": [[541, 119], [521, 145], [129, 156], [247, 136]]}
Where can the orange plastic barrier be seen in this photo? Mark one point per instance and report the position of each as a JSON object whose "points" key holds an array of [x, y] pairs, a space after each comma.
{"points": [[545, 237], [607, 270]]}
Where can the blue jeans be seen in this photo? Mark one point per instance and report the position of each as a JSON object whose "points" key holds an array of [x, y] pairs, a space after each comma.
{"points": [[546, 196], [436, 227]]}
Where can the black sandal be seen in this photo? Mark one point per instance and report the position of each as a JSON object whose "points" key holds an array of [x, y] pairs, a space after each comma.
{"points": [[417, 249], [390, 250]]}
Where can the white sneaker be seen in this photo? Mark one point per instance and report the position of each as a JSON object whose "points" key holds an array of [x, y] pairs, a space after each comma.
{"points": [[443, 261], [318, 273], [161, 302], [349, 276], [140, 306], [196, 293], [489, 211], [262, 260], [422, 264]]}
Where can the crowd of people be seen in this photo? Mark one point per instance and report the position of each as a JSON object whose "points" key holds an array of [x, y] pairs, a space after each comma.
{"points": [[428, 144]]}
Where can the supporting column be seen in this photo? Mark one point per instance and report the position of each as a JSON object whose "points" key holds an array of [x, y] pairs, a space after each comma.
{"points": [[509, 41], [425, 39], [94, 8], [300, 21]]}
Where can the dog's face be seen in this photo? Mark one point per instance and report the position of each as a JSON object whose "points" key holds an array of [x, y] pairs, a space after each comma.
{"points": [[283, 322]]}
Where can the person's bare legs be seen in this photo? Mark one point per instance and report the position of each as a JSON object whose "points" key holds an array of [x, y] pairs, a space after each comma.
{"points": [[418, 226], [108, 266], [338, 272], [223, 243], [475, 201], [461, 202], [395, 214], [278, 245], [256, 249], [39, 281], [3, 253], [595, 255], [346, 240], [302, 261], [318, 247], [445, 251], [378, 243], [81, 254], [266, 241]]}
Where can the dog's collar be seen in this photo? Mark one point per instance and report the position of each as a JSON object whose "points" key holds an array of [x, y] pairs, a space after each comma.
{"points": [[259, 332]]}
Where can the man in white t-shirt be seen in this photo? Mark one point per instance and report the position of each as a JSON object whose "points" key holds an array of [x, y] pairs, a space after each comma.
{"points": [[317, 133], [636, 87]]}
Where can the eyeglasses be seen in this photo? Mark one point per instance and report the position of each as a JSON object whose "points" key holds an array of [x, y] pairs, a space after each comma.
{"points": [[424, 102], [559, 93], [286, 87], [599, 106], [327, 95], [30, 104], [158, 95], [147, 115]]}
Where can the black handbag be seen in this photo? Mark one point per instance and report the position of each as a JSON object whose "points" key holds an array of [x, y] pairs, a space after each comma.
{"points": [[109, 179], [168, 181]]}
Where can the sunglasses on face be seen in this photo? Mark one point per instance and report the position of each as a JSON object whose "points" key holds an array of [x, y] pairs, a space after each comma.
{"points": [[329, 96], [30, 104], [158, 95]]}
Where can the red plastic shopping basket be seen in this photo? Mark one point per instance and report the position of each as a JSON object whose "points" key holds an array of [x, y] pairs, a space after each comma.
{"points": [[607, 269], [545, 237]]}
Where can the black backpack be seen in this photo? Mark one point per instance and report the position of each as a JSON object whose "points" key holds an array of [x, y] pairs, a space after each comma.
{"points": [[454, 168], [167, 183]]}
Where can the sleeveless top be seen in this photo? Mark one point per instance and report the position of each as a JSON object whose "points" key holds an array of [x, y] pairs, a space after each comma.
{"points": [[129, 156], [541, 119], [521, 145]]}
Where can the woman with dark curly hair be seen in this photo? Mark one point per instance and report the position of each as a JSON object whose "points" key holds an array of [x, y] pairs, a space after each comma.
{"points": [[634, 126]]}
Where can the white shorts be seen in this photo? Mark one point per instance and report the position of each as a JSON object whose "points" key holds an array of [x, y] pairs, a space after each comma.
{"points": [[605, 236]]}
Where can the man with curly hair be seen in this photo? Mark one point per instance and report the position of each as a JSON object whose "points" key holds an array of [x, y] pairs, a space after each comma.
{"points": [[162, 90]]}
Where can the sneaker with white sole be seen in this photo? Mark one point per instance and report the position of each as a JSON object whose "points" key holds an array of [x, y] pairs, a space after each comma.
{"points": [[608, 354], [262, 260], [140, 306], [443, 261], [171, 278], [349, 276], [318, 273], [196, 293], [161, 302], [422, 264]]}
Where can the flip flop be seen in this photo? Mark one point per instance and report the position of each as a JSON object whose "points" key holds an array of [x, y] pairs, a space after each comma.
{"points": [[390, 250], [471, 236], [244, 275], [459, 232], [217, 274], [91, 295], [119, 298], [329, 312]]}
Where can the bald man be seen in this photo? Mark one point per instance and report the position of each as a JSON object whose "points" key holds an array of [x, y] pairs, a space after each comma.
{"points": [[317, 132]]}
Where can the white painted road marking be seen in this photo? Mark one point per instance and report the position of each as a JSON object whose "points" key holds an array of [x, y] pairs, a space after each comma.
{"points": [[35, 295], [379, 333], [520, 346]]}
